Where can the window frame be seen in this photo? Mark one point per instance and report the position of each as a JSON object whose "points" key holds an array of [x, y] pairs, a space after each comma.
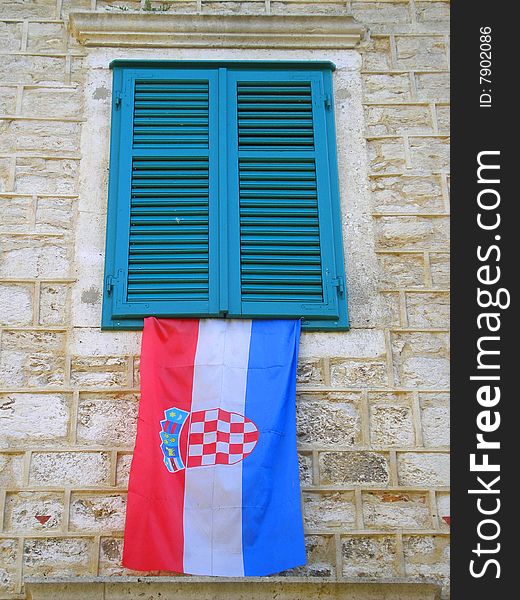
{"points": [[113, 317]]}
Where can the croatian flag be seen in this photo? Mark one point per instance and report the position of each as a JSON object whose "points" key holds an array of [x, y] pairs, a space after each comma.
{"points": [[214, 486]]}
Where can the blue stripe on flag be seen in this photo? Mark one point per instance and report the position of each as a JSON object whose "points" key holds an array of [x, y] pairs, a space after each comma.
{"points": [[272, 536]]}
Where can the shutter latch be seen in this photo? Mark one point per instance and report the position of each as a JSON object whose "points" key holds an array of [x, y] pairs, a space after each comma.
{"points": [[339, 284], [118, 101], [327, 100], [109, 284]]}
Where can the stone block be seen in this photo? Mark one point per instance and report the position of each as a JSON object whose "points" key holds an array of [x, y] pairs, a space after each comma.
{"points": [[16, 212], [34, 419], [10, 36], [321, 561], [358, 373], [54, 304], [436, 13], [353, 468], [101, 513], [407, 193], [386, 87], [435, 419], [49, 137], [57, 557], [427, 469], [305, 8], [391, 419], [396, 510], [377, 55], [137, 371], [110, 556], [30, 256], [229, 7], [443, 509], [33, 511], [428, 557], [390, 309], [440, 269], [305, 468], [401, 270], [29, 9], [389, 120], [11, 470], [443, 119], [99, 371], [70, 468], [16, 301], [329, 509], [421, 53], [421, 359], [412, 233], [46, 175], [430, 153], [52, 102], [433, 86], [386, 155], [7, 100], [107, 419], [17, 68], [46, 37], [32, 358], [375, 13], [6, 174], [309, 371], [55, 215], [331, 418], [8, 565], [428, 309], [369, 556]]}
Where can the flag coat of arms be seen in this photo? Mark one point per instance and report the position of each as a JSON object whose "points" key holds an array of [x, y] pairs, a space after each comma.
{"points": [[214, 486]]}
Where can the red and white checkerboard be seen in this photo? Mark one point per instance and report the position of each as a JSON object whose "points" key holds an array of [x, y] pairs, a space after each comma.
{"points": [[219, 437]]}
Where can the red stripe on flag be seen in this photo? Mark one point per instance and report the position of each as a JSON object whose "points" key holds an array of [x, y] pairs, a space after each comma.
{"points": [[154, 533]]}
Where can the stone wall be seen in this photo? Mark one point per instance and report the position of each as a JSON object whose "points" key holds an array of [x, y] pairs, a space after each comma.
{"points": [[373, 421]]}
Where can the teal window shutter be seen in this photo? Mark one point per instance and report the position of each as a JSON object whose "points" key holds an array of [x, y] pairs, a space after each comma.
{"points": [[223, 194]]}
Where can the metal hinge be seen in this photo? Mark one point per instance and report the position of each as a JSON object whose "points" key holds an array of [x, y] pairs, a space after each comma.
{"points": [[327, 100], [118, 101], [109, 284], [339, 284]]}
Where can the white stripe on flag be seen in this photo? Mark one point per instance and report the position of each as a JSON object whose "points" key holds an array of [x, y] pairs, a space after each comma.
{"points": [[213, 494]]}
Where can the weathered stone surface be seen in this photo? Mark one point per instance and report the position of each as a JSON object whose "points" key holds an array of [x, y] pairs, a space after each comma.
{"points": [[401, 270], [110, 555], [46, 175], [11, 470], [427, 557], [303, 8], [73, 468], [28, 69], [436, 13], [443, 509], [421, 359], [6, 170], [7, 100], [123, 469], [54, 304], [430, 153], [32, 358], [443, 119], [22, 510], [357, 373], [305, 468], [15, 213], [433, 86], [51, 102], [26, 9], [55, 215], [320, 558], [377, 14], [309, 372], [391, 419], [29, 256], [421, 53], [109, 419], [382, 87], [440, 269], [388, 120], [355, 468], [369, 556], [390, 309], [330, 509], [57, 557], [428, 309], [396, 510], [329, 419], [99, 371], [386, 155], [91, 512], [412, 233], [435, 419], [423, 468], [10, 36], [16, 301], [232, 8], [407, 193], [8, 563], [52, 137], [377, 55], [46, 37], [33, 419], [137, 371]]}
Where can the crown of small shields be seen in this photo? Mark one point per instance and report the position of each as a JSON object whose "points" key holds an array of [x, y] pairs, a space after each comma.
{"points": [[205, 437]]}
